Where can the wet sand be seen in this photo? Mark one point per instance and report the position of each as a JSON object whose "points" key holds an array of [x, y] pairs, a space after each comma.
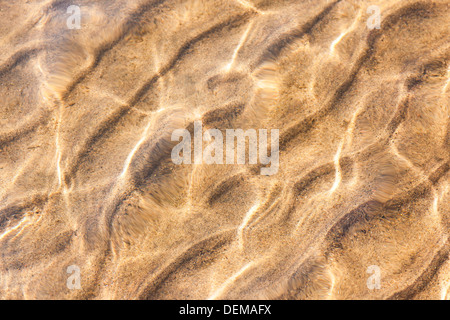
{"points": [[86, 177]]}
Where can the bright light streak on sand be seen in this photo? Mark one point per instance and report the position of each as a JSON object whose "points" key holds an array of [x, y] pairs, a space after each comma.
{"points": [[435, 203], [337, 156], [343, 34], [135, 149], [138, 145], [241, 42], [46, 95], [58, 150], [245, 222], [39, 66], [398, 155], [444, 290], [23, 227], [249, 5], [333, 281], [444, 89], [229, 281], [338, 176], [23, 223], [144, 135]]}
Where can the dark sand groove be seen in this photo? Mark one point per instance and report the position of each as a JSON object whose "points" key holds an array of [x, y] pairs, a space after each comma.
{"points": [[204, 252], [275, 50], [27, 128], [17, 58], [422, 281], [128, 26]]}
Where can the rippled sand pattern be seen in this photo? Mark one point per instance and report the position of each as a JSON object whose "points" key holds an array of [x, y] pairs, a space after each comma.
{"points": [[86, 176]]}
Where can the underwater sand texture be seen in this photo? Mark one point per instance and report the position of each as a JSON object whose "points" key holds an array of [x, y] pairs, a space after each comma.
{"points": [[86, 177]]}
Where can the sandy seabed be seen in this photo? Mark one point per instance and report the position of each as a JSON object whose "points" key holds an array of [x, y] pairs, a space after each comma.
{"points": [[86, 177]]}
